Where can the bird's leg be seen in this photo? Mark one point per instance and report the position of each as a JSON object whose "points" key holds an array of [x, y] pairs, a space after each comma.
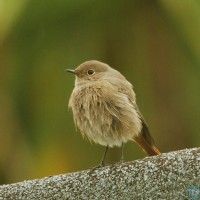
{"points": [[104, 157], [122, 153], [102, 164]]}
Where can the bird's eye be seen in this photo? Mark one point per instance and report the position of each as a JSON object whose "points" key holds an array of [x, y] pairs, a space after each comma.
{"points": [[90, 72]]}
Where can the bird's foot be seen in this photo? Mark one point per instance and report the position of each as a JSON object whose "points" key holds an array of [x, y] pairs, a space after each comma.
{"points": [[102, 164]]}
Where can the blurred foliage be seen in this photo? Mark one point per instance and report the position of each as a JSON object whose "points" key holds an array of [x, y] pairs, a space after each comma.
{"points": [[155, 44]]}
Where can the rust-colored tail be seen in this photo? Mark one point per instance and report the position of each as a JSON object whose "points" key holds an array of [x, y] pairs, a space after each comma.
{"points": [[150, 149], [144, 138]]}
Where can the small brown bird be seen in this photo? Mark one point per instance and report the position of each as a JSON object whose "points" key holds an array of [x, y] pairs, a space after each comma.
{"points": [[105, 110]]}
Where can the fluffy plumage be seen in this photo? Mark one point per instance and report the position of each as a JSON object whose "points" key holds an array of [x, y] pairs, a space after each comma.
{"points": [[104, 107]]}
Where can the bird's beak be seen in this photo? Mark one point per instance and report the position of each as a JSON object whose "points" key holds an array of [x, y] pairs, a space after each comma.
{"points": [[71, 71]]}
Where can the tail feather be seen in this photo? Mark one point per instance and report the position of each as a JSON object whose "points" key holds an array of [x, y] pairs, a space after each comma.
{"points": [[150, 149], [144, 138]]}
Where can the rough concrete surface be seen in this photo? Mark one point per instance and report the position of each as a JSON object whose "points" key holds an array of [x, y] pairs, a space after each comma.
{"points": [[174, 175]]}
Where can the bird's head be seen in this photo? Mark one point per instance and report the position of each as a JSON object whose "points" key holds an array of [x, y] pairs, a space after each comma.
{"points": [[92, 71]]}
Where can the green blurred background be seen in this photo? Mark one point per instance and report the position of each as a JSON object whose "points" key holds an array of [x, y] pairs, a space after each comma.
{"points": [[155, 44]]}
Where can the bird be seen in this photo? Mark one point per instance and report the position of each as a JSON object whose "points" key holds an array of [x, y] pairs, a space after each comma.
{"points": [[104, 109]]}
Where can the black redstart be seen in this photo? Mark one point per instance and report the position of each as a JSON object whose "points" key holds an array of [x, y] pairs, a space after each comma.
{"points": [[105, 110]]}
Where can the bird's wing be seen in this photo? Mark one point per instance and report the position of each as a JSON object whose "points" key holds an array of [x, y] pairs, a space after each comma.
{"points": [[127, 88], [145, 130]]}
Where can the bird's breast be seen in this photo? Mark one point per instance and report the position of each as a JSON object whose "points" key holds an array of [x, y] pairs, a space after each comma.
{"points": [[103, 115]]}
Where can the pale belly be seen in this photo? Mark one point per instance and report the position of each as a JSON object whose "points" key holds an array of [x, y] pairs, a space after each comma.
{"points": [[102, 133], [104, 121]]}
